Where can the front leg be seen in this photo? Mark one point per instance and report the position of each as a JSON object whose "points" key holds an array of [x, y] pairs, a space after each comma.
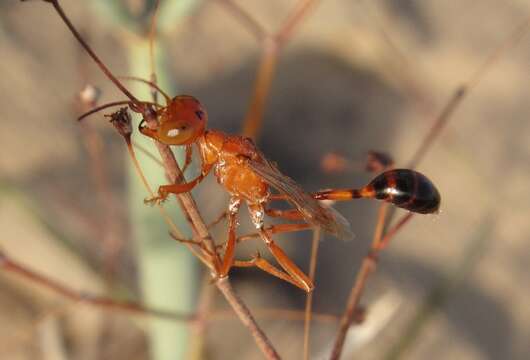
{"points": [[187, 160], [165, 190]]}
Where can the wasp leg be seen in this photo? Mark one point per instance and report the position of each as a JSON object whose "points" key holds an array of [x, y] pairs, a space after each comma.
{"points": [[187, 161], [228, 258], [259, 262], [277, 229], [300, 279], [290, 214], [298, 276], [165, 190]]}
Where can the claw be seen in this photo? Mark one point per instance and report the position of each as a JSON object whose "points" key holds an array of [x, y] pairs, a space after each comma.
{"points": [[157, 200]]}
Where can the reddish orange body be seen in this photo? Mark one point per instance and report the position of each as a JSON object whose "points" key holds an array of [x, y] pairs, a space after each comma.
{"points": [[229, 154], [247, 176]]}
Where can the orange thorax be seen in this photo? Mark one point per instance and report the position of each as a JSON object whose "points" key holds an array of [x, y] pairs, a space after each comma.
{"points": [[229, 154]]}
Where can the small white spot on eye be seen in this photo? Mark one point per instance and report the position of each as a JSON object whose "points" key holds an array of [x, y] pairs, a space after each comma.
{"points": [[173, 132]]}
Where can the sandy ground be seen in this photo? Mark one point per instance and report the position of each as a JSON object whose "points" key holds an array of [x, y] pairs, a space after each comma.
{"points": [[358, 76]]}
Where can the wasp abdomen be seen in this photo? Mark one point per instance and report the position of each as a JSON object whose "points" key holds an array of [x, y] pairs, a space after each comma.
{"points": [[407, 189]]}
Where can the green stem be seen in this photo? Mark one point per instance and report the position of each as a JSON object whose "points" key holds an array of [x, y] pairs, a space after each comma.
{"points": [[168, 271]]}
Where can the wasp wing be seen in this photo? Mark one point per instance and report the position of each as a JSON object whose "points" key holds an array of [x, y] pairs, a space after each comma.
{"points": [[313, 212]]}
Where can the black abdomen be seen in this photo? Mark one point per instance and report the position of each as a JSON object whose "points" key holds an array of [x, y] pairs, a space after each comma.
{"points": [[407, 189]]}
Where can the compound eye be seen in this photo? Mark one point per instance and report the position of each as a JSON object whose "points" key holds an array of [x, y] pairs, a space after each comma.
{"points": [[176, 134]]}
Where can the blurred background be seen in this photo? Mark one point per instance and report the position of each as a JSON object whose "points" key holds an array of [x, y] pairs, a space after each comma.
{"points": [[356, 76]]}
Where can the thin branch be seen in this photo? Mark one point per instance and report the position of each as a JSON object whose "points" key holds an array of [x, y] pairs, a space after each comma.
{"points": [[309, 297], [271, 43], [132, 307], [385, 240], [223, 284], [152, 84], [199, 327], [110, 233], [92, 54], [293, 20], [287, 314], [272, 46], [12, 266], [147, 153], [152, 37], [254, 118], [96, 109], [368, 265], [112, 104]]}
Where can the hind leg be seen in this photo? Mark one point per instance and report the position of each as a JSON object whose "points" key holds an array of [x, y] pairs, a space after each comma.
{"points": [[297, 276]]}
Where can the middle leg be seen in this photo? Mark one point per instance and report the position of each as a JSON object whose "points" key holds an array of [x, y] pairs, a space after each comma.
{"points": [[228, 258], [278, 229], [289, 214]]}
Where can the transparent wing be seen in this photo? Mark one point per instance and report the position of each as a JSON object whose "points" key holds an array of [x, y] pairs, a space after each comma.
{"points": [[313, 212]]}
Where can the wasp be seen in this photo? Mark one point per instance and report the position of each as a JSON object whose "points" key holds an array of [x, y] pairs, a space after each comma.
{"points": [[248, 176]]}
